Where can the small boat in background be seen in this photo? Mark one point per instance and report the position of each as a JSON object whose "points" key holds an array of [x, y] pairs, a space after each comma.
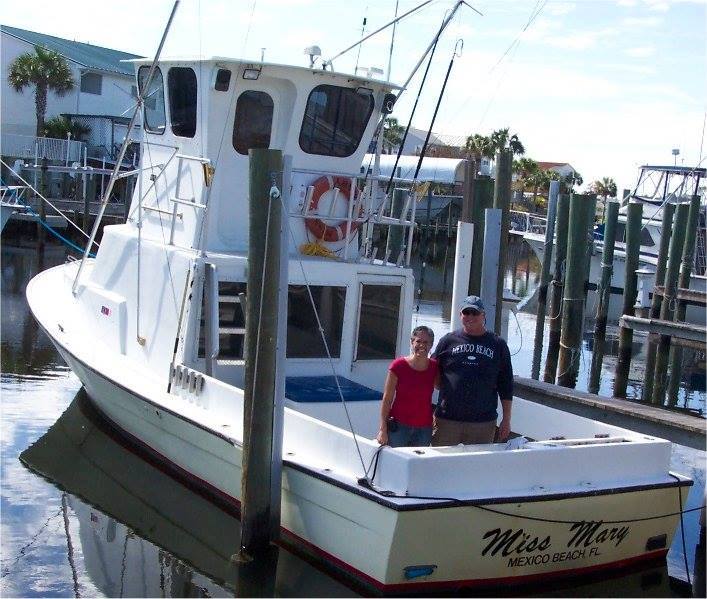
{"points": [[11, 202]]}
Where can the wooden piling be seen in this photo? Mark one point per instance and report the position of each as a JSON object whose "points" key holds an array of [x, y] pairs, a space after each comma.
{"points": [[544, 278], [558, 282], [42, 208], [668, 305], [611, 213], [482, 199], [688, 251], [634, 223], [573, 297], [502, 201], [656, 300], [260, 495]]}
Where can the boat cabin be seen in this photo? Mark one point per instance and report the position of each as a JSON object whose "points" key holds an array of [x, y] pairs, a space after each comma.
{"points": [[200, 118]]}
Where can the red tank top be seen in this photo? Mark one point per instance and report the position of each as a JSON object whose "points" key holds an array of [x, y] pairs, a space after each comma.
{"points": [[413, 394]]}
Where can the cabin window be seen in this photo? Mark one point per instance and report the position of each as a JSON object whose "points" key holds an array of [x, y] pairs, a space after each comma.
{"points": [[378, 322], [334, 120], [154, 112], [91, 83], [223, 80], [253, 122], [181, 82], [646, 238], [303, 337]]}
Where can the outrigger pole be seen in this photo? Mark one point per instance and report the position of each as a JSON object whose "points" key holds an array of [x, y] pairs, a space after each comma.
{"points": [[124, 147]]}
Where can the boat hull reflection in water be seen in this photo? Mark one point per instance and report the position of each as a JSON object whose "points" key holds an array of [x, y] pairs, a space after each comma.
{"points": [[145, 534]]}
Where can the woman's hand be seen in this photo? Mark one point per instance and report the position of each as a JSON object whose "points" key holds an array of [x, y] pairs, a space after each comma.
{"points": [[382, 437]]}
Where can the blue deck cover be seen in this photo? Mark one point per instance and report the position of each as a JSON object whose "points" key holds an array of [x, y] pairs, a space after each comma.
{"points": [[318, 389]]}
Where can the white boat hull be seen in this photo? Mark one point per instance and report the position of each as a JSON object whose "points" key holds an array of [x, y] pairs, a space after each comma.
{"points": [[398, 543]]}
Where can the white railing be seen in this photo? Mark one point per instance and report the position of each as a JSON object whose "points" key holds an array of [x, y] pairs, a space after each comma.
{"points": [[527, 222], [35, 148]]}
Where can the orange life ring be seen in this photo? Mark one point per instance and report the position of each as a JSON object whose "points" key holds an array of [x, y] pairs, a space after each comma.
{"points": [[320, 229]]}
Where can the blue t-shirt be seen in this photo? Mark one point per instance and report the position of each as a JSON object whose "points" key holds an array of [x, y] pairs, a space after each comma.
{"points": [[475, 372]]}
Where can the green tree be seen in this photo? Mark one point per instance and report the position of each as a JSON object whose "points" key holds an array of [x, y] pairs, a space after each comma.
{"points": [[59, 127], [502, 139], [46, 71], [604, 188], [392, 134], [523, 169], [478, 146], [569, 182]]}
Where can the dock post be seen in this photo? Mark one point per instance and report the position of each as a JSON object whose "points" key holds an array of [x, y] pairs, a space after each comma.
{"points": [[482, 199], [42, 209], [634, 218], [544, 278], [260, 494], [575, 284], [611, 214], [654, 312], [667, 306], [502, 201], [688, 251], [464, 245], [493, 223], [558, 283]]}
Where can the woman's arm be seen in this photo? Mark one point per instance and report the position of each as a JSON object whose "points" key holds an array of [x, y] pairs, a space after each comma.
{"points": [[391, 382]]}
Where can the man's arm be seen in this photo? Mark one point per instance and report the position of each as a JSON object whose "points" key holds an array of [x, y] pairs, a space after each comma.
{"points": [[504, 429]]}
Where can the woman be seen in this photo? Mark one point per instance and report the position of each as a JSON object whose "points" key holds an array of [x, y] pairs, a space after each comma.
{"points": [[406, 410]]}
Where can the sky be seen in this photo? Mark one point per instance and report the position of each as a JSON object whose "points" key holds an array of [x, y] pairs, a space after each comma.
{"points": [[605, 85]]}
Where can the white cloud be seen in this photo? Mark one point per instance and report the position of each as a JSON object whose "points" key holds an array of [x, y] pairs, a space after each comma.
{"points": [[640, 52], [641, 22]]}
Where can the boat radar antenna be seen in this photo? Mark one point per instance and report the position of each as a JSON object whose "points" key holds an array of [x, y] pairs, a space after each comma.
{"points": [[314, 52]]}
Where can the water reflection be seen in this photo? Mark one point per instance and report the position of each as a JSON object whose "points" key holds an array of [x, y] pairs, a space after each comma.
{"points": [[140, 532]]}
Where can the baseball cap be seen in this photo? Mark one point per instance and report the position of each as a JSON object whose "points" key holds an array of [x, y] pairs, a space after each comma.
{"points": [[473, 302]]}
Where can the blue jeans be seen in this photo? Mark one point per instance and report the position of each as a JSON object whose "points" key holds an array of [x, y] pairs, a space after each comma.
{"points": [[410, 436]]}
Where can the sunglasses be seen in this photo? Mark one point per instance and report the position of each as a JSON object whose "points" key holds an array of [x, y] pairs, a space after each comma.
{"points": [[470, 311]]}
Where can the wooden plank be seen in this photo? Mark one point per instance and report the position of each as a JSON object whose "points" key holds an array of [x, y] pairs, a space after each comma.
{"points": [[671, 328], [691, 295]]}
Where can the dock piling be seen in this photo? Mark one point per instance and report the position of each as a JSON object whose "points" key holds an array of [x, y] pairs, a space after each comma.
{"points": [[668, 305], [260, 490], [544, 278], [558, 282], [675, 355], [482, 199], [502, 201], [580, 221], [654, 311], [634, 218], [611, 213]]}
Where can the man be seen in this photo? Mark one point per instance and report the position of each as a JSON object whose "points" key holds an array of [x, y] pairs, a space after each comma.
{"points": [[475, 368]]}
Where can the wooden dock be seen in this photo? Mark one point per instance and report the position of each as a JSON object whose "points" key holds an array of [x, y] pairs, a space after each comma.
{"points": [[678, 427]]}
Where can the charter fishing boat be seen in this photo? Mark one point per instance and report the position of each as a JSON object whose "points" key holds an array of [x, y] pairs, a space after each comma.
{"points": [[656, 186], [571, 496]]}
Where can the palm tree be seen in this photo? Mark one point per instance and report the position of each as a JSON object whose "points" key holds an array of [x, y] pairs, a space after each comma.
{"points": [[604, 188], [44, 69], [539, 181], [479, 146], [392, 133], [574, 178], [501, 139], [523, 168]]}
